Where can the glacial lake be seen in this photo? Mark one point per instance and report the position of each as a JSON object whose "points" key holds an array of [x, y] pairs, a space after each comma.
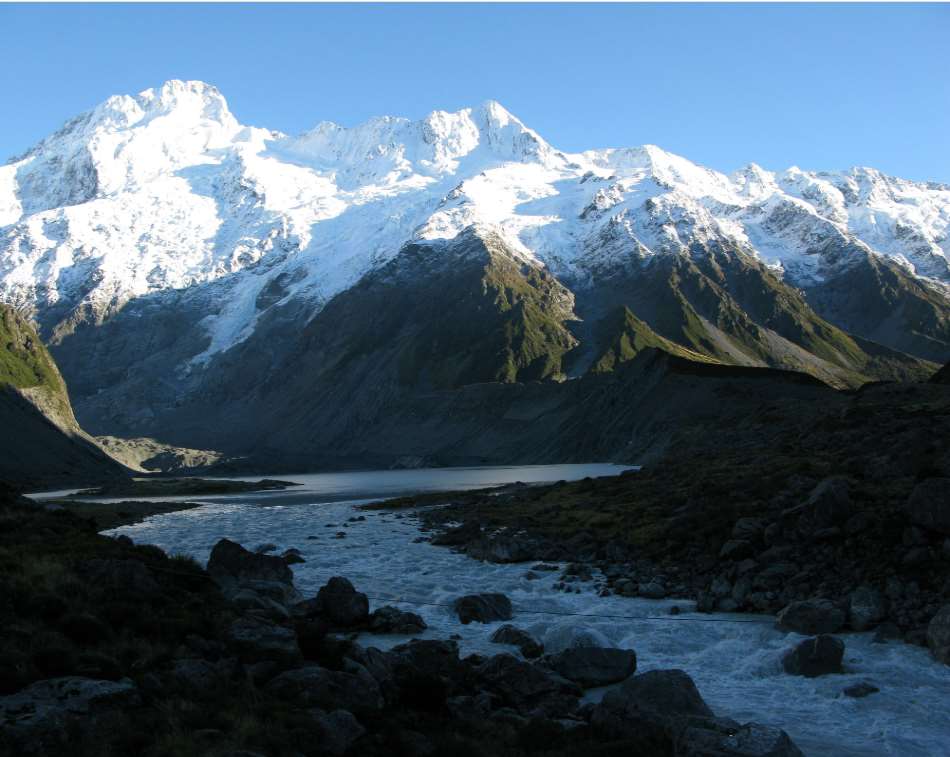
{"points": [[736, 665]]}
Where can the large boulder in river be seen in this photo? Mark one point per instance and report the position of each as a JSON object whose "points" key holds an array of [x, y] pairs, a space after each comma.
{"points": [[483, 608], [389, 619], [426, 672], [811, 616], [594, 666], [815, 657], [342, 604], [929, 505], [938, 635], [235, 568], [48, 716], [662, 712]]}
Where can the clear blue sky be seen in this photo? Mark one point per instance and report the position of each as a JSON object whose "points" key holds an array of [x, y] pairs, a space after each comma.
{"points": [[820, 86]]}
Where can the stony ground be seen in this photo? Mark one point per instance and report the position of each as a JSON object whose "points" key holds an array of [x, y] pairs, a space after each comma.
{"points": [[847, 499], [113, 648]]}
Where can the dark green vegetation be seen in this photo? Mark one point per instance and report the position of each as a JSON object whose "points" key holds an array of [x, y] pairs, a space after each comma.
{"points": [[771, 460], [24, 360], [41, 443], [624, 336], [484, 316], [178, 487], [724, 305]]}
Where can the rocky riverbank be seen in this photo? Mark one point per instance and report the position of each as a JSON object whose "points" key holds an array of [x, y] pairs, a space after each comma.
{"points": [[846, 506], [109, 647], [181, 487], [106, 515]]}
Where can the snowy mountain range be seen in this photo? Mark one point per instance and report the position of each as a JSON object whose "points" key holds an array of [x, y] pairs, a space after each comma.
{"points": [[160, 214]]}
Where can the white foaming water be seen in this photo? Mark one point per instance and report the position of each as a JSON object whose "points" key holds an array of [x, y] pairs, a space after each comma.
{"points": [[735, 665]]}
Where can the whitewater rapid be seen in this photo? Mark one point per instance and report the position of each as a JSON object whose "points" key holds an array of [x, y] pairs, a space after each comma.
{"points": [[736, 665]]}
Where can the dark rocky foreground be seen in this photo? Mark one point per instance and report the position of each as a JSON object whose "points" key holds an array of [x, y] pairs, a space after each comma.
{"points": [[839, 508], [112, 648]]}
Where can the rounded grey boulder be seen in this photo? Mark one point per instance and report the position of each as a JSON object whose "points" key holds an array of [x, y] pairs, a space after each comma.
{"points": [[483, 608], [342, 604], [815, 657], [509, 634], [594, 666]]}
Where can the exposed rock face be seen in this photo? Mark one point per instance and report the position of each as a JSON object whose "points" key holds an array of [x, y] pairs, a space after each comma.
{"points": [[526, 643], [938, 635], [342, 604], [812, 616], [483, 608], [594, 666], [46, 714], [929, 505], [815, 657]]}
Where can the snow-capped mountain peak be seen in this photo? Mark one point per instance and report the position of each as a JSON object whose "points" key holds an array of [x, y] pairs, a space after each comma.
{"points": [[387, 149], [165, 189]]}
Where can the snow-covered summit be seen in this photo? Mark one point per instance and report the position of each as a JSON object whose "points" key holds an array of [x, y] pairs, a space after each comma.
{"points": [[166, 189], [387, 149]]}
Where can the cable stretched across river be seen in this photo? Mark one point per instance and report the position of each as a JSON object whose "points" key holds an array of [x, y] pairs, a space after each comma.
{"points": [[529, 611], [524, 610]]}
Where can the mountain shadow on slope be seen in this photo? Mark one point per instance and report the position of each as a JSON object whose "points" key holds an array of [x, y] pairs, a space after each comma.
{"points": [[42, 445]]}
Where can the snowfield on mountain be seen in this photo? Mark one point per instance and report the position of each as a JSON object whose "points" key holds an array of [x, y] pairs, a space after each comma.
{"points": [[166, 189]]}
